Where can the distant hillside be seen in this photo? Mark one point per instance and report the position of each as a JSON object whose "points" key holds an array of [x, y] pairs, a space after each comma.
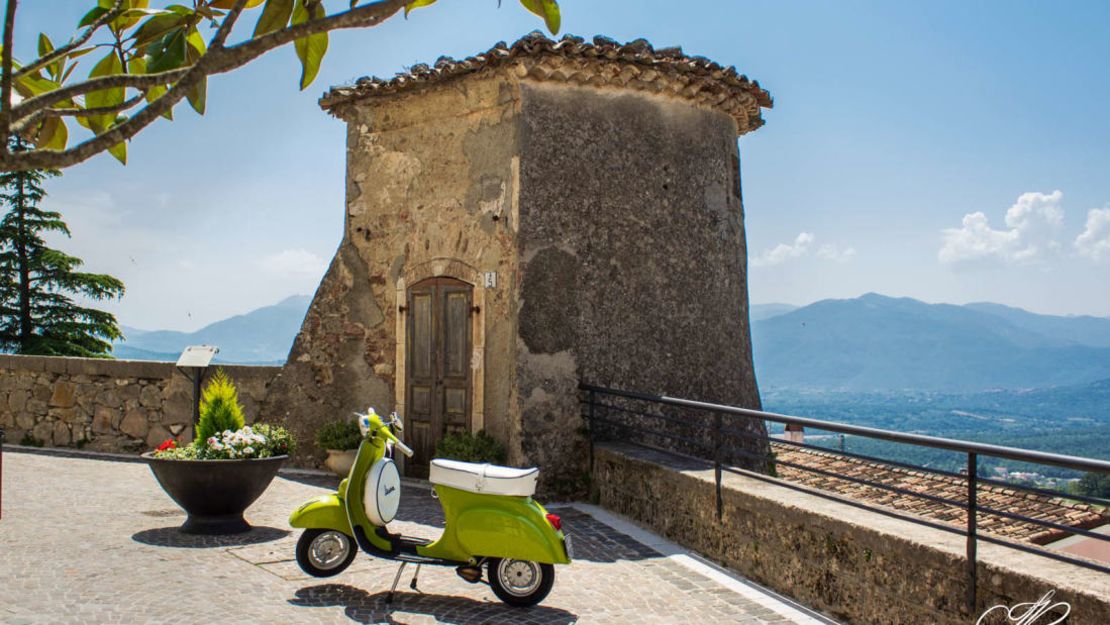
{"points": [[1081, 330], [759, 312], [261, 336], [876, 343]]}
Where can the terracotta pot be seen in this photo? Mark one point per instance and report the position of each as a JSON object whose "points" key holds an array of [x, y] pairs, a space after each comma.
{"points": [[340, 461], [214, 493]]}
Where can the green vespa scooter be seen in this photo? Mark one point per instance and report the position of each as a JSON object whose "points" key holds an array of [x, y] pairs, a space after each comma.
{"points": [[493, 524]]}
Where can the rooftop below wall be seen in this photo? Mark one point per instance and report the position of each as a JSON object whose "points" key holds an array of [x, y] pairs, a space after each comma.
{"points": [[635, 65]]}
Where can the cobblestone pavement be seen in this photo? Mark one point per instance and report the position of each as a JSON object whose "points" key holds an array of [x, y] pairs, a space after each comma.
{"points": [[96, 541]]}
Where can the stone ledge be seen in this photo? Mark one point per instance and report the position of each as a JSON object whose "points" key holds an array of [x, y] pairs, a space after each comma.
{"points": [[145, 369], [856, 564]]}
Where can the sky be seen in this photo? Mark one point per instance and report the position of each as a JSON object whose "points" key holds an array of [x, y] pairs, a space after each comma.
{"points": [[946, 151]]}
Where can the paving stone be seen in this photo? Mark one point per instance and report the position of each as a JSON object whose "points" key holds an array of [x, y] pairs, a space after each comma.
{"points": [[95, 541]]}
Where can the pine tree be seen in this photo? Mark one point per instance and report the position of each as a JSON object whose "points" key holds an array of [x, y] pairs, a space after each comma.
{"points": [[37, 312]]}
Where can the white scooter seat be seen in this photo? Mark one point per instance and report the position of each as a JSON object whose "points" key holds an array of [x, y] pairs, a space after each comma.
{"points": [[486, 479]]}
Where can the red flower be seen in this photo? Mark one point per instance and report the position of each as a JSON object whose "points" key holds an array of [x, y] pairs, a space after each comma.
{"points": [[169, 443]]}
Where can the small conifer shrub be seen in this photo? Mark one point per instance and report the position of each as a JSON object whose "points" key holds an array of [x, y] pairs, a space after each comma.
{"points": [[220, 410]]}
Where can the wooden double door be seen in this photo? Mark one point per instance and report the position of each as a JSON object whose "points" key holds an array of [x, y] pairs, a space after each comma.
{"points": [[437, 368]]}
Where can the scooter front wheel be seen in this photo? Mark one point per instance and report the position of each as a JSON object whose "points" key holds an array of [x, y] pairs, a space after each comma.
{"points": [[520, 583], [323, 553]]}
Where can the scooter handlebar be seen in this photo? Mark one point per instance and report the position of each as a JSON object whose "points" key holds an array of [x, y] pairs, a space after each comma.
{"points": [[405, 449]]}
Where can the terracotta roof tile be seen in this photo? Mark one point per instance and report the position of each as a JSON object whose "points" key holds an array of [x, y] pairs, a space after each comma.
{"points": [[603, 62], [1033, 505]]}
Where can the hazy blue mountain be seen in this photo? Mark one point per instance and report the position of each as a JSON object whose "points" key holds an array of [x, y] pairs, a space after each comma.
{"points": [[759, 312], [260, 336], [1082, 330], [875, 343]]}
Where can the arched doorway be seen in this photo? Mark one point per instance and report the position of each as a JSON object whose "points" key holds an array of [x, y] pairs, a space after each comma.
{"points": [[438, 382]]}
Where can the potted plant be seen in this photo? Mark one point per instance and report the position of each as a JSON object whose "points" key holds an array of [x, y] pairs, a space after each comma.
{"points": [[340, 438], [470, 447], [226, 467]]}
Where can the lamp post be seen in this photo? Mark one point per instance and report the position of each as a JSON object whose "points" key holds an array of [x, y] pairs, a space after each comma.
{"points": [[195, 359]]}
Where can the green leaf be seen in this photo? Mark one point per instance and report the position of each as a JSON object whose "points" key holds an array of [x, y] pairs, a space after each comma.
{"points": [[108, 66], [168, 52], [137, 65], [119, 151], [415, 4], [92, 16], [45, 47], [156, 27], [275, 16], [227, 4], [311, 49], [198, 94], [548, 10], [53, 135]]}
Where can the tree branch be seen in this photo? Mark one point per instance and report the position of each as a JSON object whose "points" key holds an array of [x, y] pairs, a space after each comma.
{"points": [[6, 78], [360, 17], [136, 81], [103, 110], [58, 53], [217, 60]]}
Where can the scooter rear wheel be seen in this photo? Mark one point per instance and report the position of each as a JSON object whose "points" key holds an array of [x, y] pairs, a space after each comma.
{"points": [[324, 553], [520, 583]]}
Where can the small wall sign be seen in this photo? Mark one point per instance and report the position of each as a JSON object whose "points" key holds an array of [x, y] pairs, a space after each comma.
{"points": [[490, 279]]}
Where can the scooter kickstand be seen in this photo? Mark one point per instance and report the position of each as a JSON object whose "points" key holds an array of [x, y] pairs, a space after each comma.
{"points": [[412, 585], [389, 597]]}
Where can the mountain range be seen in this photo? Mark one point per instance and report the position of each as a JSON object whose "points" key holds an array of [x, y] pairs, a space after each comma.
{"points": [[865, 344], [262, 336], [879, 343]]}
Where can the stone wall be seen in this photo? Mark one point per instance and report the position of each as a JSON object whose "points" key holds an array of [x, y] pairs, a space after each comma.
{"points": [[430, 182], [108, 405], [854, 564], [634, 264]]}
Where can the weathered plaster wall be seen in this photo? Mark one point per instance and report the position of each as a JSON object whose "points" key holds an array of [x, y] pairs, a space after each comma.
{"points": [[109, 405], [857, 565], [430, 188], [634, 261]]}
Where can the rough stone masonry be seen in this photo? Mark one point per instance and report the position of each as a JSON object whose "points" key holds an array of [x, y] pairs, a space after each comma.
{"points": [[586, 197]]}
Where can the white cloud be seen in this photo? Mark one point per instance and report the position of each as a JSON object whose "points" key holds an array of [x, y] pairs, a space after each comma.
{"points": [[836, 253], [293, 262], [1032, 224], [801, 246], [784, 252], [1094, 241]]}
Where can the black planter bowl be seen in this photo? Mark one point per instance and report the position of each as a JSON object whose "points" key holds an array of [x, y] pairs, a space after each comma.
{"points": [[214, 493]]}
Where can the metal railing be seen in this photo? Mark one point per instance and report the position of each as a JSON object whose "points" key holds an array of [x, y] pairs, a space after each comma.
{"points": [[643, 419]]}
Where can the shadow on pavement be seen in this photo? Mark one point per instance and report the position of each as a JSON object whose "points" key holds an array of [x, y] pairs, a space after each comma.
{"points": [[174, 537], [363, 607]]}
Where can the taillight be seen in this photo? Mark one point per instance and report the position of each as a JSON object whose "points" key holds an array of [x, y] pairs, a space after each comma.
{"points": [[555, 522]]}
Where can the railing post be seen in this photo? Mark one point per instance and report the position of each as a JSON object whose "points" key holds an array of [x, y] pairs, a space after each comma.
{"points": [[972, 496], [717, 460]]}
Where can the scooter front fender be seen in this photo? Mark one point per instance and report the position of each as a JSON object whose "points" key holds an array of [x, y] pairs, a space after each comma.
{"points": [[323, 512]]}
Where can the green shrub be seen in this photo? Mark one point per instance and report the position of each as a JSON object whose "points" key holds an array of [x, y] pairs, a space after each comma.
{"points": [[480, 447], [339, 434], [220, 410]]}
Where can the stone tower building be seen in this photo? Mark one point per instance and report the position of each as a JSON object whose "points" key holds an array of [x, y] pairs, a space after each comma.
{"points": [[538, 215]]}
